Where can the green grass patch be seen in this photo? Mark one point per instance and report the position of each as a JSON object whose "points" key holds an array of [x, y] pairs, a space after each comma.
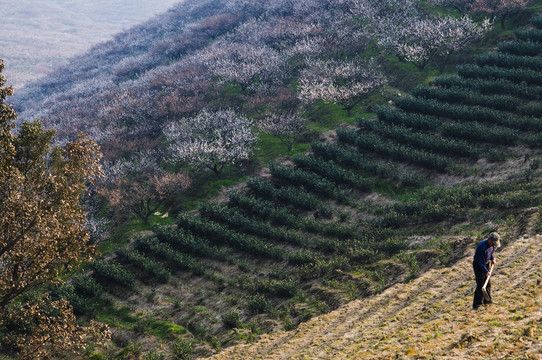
{"points": [[160, 328], [326, 116], [113, 316], [208, 186], [270, 147], [121, 235]]}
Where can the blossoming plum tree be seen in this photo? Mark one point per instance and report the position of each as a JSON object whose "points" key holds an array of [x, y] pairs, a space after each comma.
{"points": [[342, 82], [211, 139]]}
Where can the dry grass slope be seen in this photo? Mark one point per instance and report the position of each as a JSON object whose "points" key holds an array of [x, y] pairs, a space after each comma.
{"points": [[429, 317]]}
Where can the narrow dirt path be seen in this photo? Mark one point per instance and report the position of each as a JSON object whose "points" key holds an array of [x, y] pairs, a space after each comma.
{"points": [[430, 317]]}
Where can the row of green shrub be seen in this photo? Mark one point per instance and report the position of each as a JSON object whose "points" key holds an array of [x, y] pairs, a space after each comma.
{"points": [[150, 270], [352, 158], [267, 210], [374, 143], [240, 222], [509, 61], [491, 86], [525, 48], [309, 180], [534, 35], [288, 195], [182, 240], [280, 288], [472, 71], [333, 172], [438, 204], [113, 272], [513, 200], [79, 293], [471, 131], [163, 251], [531, 109], [425, 141], [456, 95], [221, 235], [467, 113]]}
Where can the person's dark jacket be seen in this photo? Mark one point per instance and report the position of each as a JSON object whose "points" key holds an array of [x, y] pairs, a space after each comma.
{"points": [[483, 254]]}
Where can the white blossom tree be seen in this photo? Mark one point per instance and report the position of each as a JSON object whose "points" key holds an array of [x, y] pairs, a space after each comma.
{"points": [[429, 40], [244, 64], [287, 127], [342, 82], [211, 139]]}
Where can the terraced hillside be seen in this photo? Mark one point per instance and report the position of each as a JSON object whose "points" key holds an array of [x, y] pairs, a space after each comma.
{"points": [[430, 317], [369, 207]]}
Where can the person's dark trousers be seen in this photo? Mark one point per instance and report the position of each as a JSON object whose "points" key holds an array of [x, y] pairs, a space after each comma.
{"points": [[478, 294]]}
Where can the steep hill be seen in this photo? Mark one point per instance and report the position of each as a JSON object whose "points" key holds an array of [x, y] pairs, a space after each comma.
{"points": [[39, 36], [429, 317], [365, 200]]}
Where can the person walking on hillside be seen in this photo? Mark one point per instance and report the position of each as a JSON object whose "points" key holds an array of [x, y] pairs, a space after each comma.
{"points": [[483, 258]]}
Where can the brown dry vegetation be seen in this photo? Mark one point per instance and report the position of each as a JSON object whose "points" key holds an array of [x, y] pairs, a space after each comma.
{"points": [[430, 317]]}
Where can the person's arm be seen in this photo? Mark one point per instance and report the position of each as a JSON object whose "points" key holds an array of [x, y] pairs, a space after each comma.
{"points": [[480, 259], [492, 257]]}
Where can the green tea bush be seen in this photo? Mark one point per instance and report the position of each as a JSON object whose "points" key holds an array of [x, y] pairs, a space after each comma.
{"points": [[491, 86], [258, 303], [323, 267], [525, 48], [87, 286], [150, 268], [374, 143], [267, 210], [333, 172], [232, 319], [456, 95], [472, 131], [288, 195], [480, 133], [348, 157], [300, 257], [467, 113], [534, 35], [237, 220], [309, 181], [164, 252], [514, 200], [471, 71], [110, 271], [80, 303], [425, 141], [222, 235], [412, 120], [264, 209], [280, 288], [531, 109], [181, 240], [509, 61], [182, 350]]}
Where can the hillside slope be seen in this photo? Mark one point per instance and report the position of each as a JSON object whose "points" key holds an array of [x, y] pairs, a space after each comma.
{"points": [[41, 36], [430, 317]]}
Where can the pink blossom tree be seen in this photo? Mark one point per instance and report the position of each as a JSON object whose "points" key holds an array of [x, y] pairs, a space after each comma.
{"points": [[211, 139], [501, 9], [140, 186]]}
